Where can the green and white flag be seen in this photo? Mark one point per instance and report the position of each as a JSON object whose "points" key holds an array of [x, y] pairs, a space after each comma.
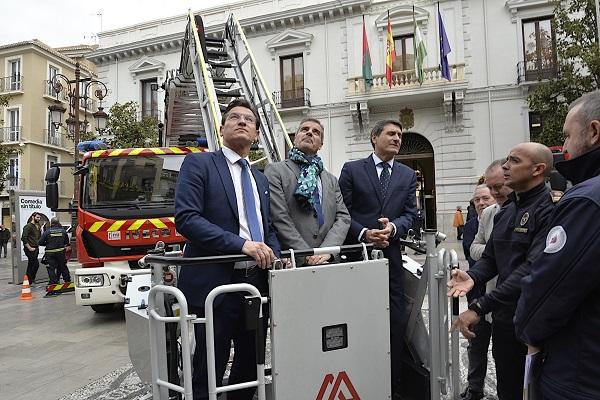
{"points": [[420, 54]]}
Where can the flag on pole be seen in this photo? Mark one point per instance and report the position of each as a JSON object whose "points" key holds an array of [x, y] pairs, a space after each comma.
{"points": [[366, 60], [420, 51], [390, 54], [444, 48]]}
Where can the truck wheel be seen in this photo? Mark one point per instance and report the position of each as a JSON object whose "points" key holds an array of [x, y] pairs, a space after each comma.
{"points": [[103, 308]]}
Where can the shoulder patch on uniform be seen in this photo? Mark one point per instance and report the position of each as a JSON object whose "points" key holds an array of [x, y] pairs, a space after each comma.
{"points": [[556, 240]]}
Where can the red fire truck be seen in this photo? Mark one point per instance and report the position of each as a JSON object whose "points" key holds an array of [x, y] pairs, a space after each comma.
{"points": [[125, 206]]}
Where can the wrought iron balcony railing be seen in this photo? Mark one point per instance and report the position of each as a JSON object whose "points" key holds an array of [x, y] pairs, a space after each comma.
{"points": [[526, 73], [150, 112], [404, 80], [292, 98], [53, 137], [11, 83], [10, 134]]}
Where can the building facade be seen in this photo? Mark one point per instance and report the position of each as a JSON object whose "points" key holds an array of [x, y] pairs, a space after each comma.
{"points": [[26, 69], [310, 53]]}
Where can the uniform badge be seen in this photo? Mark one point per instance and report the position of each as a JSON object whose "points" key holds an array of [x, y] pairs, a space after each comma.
{"points": [[524, 218], [556, 240]]}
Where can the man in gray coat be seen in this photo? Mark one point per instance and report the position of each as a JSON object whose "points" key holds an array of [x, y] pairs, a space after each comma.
{"points": [[307, 207]]}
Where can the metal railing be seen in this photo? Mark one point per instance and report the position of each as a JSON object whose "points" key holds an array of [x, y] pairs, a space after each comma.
{"points": [[10, 134], [154, 112], [536, 74], [54, 138], [49, 91], [11, 83], [14, 183], [403, 80], [292, 98]]}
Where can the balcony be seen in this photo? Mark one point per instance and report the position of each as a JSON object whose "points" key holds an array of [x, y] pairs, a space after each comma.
{"points": [[53, 138], [154, 113], [286, 99], [49, 91], [11, 134], [407, 80], [11, 84], [535, 73], [13, 183]]}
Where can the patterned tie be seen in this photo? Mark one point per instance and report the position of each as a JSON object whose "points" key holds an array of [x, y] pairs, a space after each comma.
{"points": [[384, 178], [249, 204], [318, 207]]}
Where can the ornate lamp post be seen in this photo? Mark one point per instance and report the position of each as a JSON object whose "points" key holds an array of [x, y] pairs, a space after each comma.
{"points": [[77, 90]]}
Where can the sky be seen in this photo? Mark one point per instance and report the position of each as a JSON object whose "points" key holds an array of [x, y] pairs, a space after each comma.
{"points": [[72, 22]]}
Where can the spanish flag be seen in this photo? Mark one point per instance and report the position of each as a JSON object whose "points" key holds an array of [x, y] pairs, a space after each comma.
{"points": [[391, 53]]}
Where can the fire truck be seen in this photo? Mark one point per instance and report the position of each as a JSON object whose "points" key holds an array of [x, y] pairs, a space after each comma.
{"points": [[125, 205]]}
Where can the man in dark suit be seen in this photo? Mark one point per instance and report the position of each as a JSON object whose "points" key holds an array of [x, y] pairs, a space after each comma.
{"points": [[380, 194], [222, 207], [306, 202]]}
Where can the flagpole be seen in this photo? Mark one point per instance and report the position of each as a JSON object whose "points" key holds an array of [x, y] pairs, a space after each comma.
{"points": [[415, 40], [441, 51]]}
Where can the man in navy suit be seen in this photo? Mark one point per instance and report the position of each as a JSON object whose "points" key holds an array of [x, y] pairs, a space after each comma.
{"points": [[222, 207], [380, 195]]}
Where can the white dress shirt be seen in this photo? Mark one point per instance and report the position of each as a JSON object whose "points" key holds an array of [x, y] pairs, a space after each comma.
{"points": [[236, 175]]}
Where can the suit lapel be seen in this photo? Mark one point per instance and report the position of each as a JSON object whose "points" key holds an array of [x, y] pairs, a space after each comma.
{"points": [[294, 167], [372, 174], [223, 170]]}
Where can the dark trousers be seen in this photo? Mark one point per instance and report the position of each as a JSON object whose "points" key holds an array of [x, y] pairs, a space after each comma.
{"points": [[229, 325], [397, 332], [459, 232], [509, 356], [477, 352], [57, 266], [4, 249], [32, 263]]}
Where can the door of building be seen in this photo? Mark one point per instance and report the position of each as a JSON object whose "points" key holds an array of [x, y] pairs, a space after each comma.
{"points": [[416, 152]]}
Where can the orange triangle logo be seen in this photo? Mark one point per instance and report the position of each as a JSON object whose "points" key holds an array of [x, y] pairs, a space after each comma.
{"points": [[340, 385]]}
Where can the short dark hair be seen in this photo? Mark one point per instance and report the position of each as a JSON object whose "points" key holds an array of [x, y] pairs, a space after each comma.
{"points": [[311, 119], [378, 128], [241, 103]]}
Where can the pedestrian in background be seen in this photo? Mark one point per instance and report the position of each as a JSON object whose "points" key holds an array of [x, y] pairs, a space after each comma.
{"points": [[30, 238], [56, 240], [4, 238], [459, 222]]}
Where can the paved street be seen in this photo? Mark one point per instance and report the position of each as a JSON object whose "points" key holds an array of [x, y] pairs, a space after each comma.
{"points": [[52, 349]]}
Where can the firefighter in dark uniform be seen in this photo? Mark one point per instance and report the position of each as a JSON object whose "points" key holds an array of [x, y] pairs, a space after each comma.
{"points": [[559, 310], [56, 241], [518, 237]]}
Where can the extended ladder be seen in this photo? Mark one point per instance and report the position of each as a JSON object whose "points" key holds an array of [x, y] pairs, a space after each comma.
{"points": [[212, 72]]}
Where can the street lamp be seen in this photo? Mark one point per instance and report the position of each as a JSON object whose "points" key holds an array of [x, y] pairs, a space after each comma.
{"points": [[76, 90]]}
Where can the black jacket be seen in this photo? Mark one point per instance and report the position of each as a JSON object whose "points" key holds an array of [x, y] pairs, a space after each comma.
{"points": [[55, 239], [560, 306], [517, 240], [4, 235]]}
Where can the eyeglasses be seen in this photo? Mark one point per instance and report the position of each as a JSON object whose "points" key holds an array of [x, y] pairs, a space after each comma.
{"points": [[236, 117]]}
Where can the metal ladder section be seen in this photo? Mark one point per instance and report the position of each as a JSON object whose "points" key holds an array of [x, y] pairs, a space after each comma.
{"points": [[213, 72]]}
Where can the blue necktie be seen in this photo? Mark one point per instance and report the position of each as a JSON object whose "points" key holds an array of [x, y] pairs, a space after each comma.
{"points": [[318, 207], [384, 178], [249, 204]]}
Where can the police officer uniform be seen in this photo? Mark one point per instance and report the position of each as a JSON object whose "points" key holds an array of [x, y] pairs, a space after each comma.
{"points": [[559, 309], [517, 239], [56, 240]]}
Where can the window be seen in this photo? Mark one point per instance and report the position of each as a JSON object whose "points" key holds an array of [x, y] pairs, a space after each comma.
{"points": [[50, 160], [52, 72], [14, 128], [150, 98], [13, 171], [292, 81], [14, 69], [536, 126], [539, 49], [405, 53]]}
